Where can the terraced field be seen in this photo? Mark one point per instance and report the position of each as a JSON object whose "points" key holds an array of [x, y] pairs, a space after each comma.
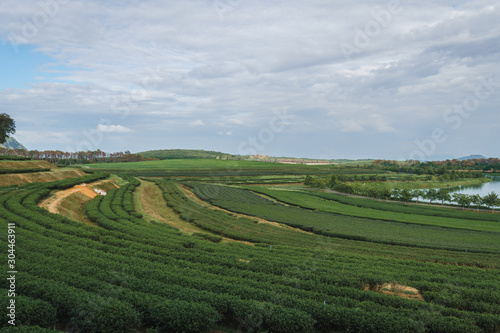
{"points": [[298, 268], [340, 221]]}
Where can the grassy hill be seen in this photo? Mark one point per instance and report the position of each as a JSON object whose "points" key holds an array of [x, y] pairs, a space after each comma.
{"points": [[172, 154], [472, 157]]}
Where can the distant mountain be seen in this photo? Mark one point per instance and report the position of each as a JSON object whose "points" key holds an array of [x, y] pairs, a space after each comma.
{"points": [[169, 154], [472, 157], [12, 143]]}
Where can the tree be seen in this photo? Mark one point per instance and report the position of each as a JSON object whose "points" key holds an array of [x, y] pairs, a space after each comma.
{"points": [[386, 193], [477, 200], [491, 200], [7, 126], [431, 195], [396, 194], [462, 199], [406, 195], [418, 194], [308, 181], [443, 195]]}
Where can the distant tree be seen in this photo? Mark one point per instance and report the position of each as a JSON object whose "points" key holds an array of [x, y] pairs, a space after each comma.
{"points": [[477, 200], [386, 193], [7, 127], [443, 195], [309, 181], [319, 183], [374, 192], [406, 195], [396, 194], [431, 195], [491, 200], [334, 179], [462, 199], [418, 194]]}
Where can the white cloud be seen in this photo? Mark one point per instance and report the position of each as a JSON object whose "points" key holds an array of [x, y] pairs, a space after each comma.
{"points": [[197, 123], [179, 64], [113, 129]]}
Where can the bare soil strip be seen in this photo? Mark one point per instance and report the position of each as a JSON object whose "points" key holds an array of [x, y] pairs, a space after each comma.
{"points": [[53, 202], [397, 290], [153, 206]]}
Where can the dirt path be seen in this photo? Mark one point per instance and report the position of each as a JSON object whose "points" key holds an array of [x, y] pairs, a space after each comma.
{"points": [[200, 202], [152, 205], [53, 203]]}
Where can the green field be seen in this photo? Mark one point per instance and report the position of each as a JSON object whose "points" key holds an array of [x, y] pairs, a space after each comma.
{"points": [[326, 202], [193, 164], [343, 223], [291, 261]]}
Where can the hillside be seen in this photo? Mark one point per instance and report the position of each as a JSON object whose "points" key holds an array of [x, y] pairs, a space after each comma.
{"points": [[472, 157], [24, 172], [12, 143], [170, 154], [26, 165]]}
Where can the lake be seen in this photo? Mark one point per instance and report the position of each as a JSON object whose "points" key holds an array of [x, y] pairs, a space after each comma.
{"points": [[481, 189]]}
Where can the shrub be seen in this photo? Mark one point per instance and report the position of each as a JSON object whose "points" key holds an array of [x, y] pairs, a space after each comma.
{"points": [[184, 317], [105, 315]]}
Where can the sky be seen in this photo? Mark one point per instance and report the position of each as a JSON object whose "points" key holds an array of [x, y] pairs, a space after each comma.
{"points": [[318, 79]]}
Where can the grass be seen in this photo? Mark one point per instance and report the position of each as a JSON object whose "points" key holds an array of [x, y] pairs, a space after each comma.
{"points": [[26, 165], [350, 227], [188, 163], [41, 177], [73, 207], [311, 202], [145, 264], [148, 200], [220, 169]]}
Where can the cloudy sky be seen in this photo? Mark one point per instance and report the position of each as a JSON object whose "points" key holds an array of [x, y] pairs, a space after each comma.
{"points": [[318, 78]]}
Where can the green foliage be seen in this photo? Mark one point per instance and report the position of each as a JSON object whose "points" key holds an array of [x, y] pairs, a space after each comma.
{"points": [[30, 311], [13, 171], [129, 274], [492, 200], [184, 317], [7, 127], [168, 154], [13, 158], [26, 329], [212, 238], [104, 315], [347, 225]]}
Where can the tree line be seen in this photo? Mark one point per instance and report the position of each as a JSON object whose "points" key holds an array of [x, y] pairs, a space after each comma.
{"points": [[440, 167], [61, 158]]}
